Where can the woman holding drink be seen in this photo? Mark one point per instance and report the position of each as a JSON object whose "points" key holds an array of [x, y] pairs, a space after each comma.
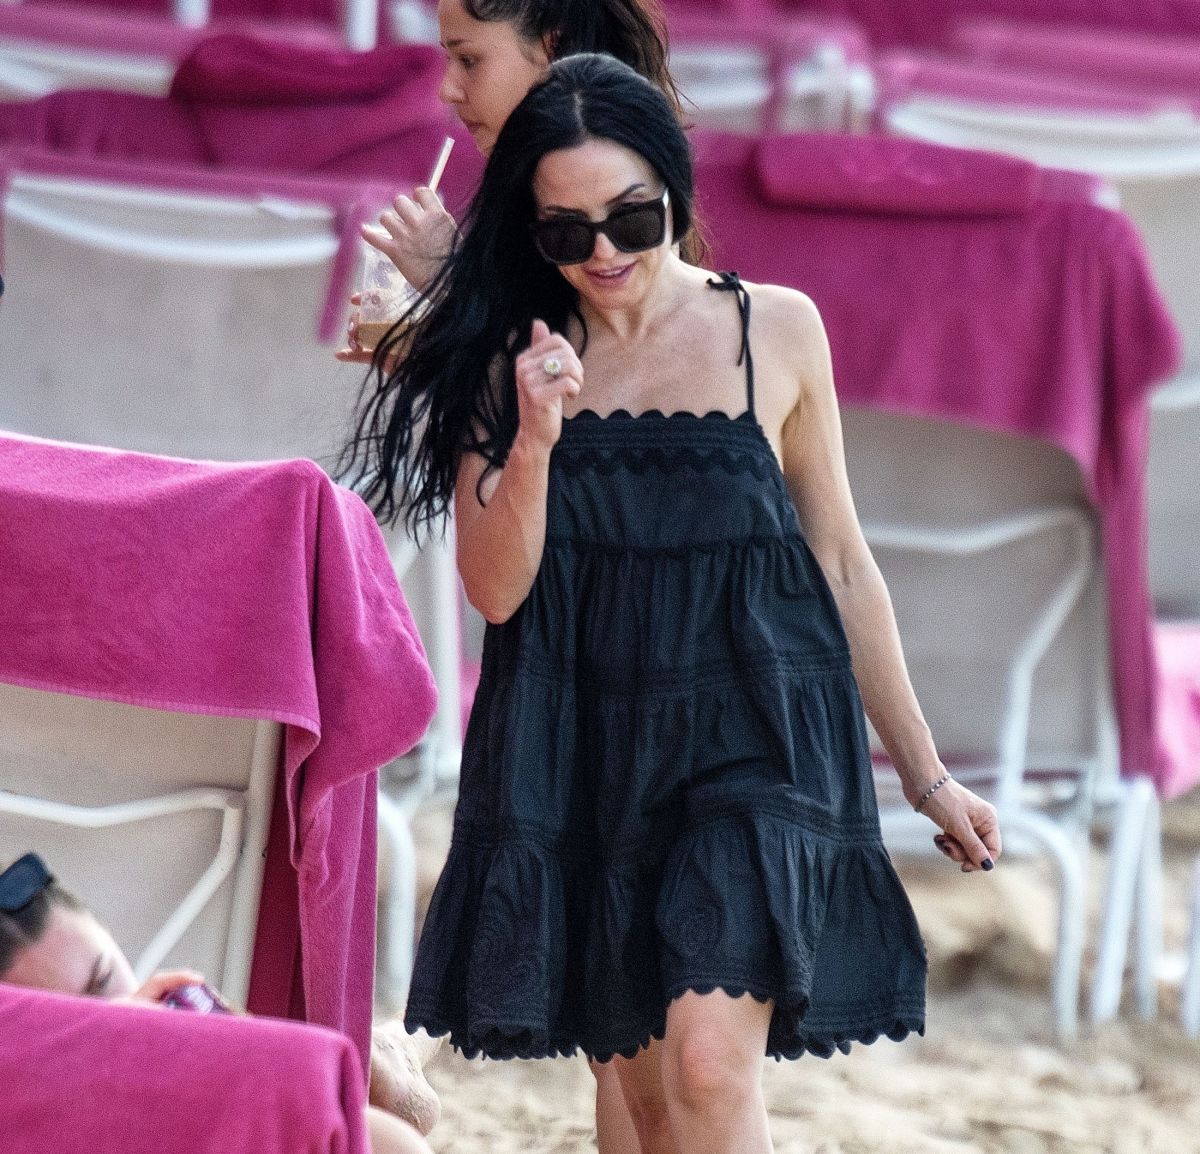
{"points": [[496, 50], [666, 848]]}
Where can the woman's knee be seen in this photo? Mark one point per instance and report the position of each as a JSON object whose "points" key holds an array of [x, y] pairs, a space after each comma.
{"points": [[705, 1070]]}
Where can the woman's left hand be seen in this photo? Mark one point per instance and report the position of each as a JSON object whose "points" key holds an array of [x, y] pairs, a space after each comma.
{"points": [[970, 828]]}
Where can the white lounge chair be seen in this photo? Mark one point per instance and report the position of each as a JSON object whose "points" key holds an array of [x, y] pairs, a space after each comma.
{"points": [[158, 821], [990, 553], [185, 323]]}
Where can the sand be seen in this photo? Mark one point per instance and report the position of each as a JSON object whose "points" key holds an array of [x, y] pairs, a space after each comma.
{"points": [[987, 1078]]}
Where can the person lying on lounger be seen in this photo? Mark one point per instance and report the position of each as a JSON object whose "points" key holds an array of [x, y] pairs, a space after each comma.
{"points": [[49, 940]]}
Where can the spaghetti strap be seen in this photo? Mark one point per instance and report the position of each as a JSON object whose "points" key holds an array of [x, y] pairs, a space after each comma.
{"points": [[730, 282]]}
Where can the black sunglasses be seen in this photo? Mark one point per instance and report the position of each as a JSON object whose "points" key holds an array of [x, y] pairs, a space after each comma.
{"points": [[22, 882], [631, 228]]}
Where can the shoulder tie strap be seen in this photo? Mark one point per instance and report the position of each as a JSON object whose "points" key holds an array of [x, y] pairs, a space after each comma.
{"points": [[730, 282]]}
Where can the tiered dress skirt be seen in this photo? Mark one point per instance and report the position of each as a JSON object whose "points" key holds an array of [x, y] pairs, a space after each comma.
{"points": [[666, 782]]}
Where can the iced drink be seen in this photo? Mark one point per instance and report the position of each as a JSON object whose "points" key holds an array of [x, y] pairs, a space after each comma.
{"points": [[385, 297]]}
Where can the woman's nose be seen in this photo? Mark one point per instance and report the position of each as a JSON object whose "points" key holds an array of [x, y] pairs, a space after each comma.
{"points": [[450, 91], [604, 249]]}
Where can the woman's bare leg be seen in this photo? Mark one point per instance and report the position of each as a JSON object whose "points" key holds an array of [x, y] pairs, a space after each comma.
{"points": [[615, 1132], [391, 1136], [645, 1100], [398, 1083], [712, 1058]]}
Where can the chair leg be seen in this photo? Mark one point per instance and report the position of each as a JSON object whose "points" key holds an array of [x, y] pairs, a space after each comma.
{"points": [[1126, 849], [1148, 914], [400, 912], [1190, 999], [1072, 928], [1072, 915]]}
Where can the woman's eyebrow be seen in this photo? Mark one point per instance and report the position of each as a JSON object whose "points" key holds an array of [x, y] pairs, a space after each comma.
{"points": [[558, 210]]}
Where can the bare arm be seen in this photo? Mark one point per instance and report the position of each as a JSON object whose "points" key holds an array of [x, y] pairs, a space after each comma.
{"points": [[815, 469], [501, 526]]}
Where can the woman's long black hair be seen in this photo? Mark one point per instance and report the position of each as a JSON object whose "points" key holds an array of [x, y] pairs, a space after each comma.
{"points": [[454, 390]]}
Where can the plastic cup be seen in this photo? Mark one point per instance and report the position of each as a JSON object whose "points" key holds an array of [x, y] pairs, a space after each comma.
{"points": [[385, 297]]}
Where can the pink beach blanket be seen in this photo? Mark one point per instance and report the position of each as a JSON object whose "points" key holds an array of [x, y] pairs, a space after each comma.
{"points": [[903, 73], [951, 288], [1178, 648], [930, 22], [252, 105], [83, 1076], [1148, 64], [244, 590]]}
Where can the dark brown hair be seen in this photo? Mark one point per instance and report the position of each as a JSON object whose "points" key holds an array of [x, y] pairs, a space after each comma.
{"points": [[26, 926], [634, 31]]}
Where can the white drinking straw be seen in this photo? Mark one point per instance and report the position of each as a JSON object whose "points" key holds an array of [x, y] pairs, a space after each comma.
{"points": [[440, 166]]}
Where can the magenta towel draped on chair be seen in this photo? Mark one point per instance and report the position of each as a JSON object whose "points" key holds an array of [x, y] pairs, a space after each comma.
{"points": [[82, 1076], [970, 287], [245, 590]]}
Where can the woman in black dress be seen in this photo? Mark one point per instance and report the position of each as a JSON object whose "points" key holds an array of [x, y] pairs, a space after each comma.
{"points": [[666, 849]]}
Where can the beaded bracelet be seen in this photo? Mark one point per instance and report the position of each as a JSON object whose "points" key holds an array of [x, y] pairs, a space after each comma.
{"points": [[930, 792]]}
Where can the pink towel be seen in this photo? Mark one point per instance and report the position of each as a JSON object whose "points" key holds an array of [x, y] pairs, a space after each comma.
{"points": [[81, 1076], [131, 33], [256, 590], [1045, 323], [873, 174], [288, 14], [1178, 648], [1157, 64], [258, 104], [930, 22], [250, 104], [904, 74]]}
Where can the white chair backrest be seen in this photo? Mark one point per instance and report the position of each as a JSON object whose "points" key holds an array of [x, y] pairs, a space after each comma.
{"points": [[727, 84], [29, 69], [169, 322], [158, 821], [966, 607], [185, 324], [1153, 162]]}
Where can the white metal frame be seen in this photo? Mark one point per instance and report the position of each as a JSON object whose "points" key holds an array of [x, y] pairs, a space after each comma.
{"points": [[1119, 146], [433, 593], [360, 19], [1190, 998], [241, 851], [117, 218], [1026, 830]]}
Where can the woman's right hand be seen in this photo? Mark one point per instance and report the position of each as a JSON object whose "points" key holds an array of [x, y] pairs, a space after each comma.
{"points": [[540, 394], [159, 985], [417, 234]]}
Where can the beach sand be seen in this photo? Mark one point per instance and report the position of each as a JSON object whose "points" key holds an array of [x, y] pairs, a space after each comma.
{"points": [[987, 1078]]}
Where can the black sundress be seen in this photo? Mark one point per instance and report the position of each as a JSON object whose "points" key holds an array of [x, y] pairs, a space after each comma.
{"points": [[666, 782]]}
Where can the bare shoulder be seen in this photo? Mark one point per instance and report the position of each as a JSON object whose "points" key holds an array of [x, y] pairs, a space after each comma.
{"points": [[791, 353], [784, 313]]}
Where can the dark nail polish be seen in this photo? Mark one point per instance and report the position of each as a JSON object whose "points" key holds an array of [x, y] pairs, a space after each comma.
{"points": [[988, 864]]}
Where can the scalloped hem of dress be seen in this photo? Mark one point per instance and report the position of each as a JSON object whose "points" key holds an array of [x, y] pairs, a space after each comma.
{"points": [[504, 1041]]}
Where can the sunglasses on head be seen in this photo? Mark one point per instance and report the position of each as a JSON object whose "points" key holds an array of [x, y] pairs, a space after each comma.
{"points": [[631, 228], [22, 882]]}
